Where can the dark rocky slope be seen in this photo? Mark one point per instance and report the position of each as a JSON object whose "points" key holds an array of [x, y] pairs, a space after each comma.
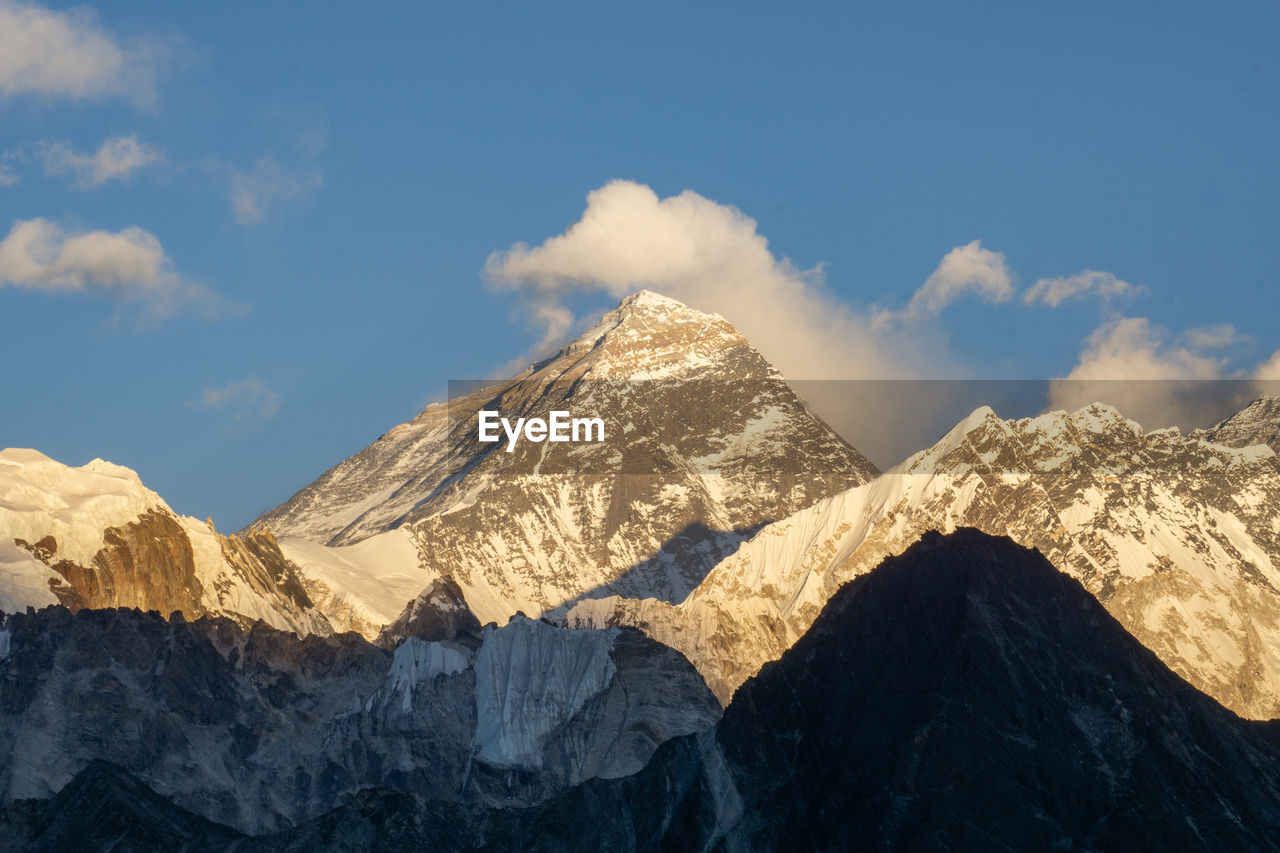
{"points": [[260, 730], [106, 808], [963, 696]]}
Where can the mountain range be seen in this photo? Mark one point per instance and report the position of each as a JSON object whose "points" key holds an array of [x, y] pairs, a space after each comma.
{"points": [[440, 632], [962, 696], [1178, 537]]}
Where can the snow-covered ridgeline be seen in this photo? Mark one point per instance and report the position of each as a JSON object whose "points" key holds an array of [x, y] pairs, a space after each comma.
{"points": [[41, 497], [1177, 536], [55, 521]]}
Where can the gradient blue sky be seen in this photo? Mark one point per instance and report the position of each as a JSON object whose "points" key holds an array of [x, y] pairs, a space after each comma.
{"points": [[332, 181]]}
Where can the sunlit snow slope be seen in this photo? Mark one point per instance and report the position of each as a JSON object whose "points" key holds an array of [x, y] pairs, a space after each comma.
{"points": [[1178, 537], [95, 536]]}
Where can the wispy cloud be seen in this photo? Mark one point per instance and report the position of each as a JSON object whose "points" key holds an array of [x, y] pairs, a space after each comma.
{"points": [[965, 270], [1150, 374], [70, 54], [8, 175], [130, 265], [116, 159], [711, 257], [266, 185], [1269, 370], [298, 134], [1055, 291], [243, 398]]}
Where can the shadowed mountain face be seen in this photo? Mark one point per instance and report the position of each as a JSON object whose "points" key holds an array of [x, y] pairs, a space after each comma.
{"points": [[106, 808], [962, 696], [968, 695], [703, 442], [259, 730]]}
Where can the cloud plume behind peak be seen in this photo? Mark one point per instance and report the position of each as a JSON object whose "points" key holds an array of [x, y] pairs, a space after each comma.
{"points": [[710, 256]]}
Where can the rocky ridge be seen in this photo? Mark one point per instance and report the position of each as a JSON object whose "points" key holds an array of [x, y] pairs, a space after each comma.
{"points": [[96, 537], [1176, 536], [1257, 423], [258, 730], [962, 696]]}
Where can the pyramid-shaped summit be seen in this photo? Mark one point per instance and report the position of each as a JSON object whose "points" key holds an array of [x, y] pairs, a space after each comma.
{"points": [[704, 442], [650, 336], [1258, 423]]}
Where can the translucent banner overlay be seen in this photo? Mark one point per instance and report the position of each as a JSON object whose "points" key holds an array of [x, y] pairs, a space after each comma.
{"points": [[649, 424]]}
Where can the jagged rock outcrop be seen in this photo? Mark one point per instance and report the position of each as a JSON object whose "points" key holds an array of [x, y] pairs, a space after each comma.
{"points": [[95, 537], [1178, 537], [440, 612], [963, 696], [704, 443], [258, 729], [147, 563]]}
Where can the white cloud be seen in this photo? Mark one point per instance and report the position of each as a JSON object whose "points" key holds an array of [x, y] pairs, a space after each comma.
{"points": [[1054, 291], [1149, 375], [243, 398], [255, 192], [967, 269], [129, 264], [1135, 348], [1269, 370], [115, 159], [70, 54], [711, 257], [1214, 337]]}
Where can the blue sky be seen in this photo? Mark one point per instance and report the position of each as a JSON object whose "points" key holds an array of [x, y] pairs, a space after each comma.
{"points": [[260, 236]]}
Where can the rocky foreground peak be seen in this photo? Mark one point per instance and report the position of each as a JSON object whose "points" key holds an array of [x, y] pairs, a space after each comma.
{"points": [[987, 701]]}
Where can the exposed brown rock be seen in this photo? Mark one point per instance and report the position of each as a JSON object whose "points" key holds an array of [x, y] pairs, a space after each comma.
{"points": [[258, 559], [146, 564]]}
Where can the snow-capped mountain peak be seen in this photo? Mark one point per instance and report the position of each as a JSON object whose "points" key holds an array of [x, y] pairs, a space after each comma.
{"points": [[95, 536], [1258, 423], [704, 442], [41, 497], [648, 336]]}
